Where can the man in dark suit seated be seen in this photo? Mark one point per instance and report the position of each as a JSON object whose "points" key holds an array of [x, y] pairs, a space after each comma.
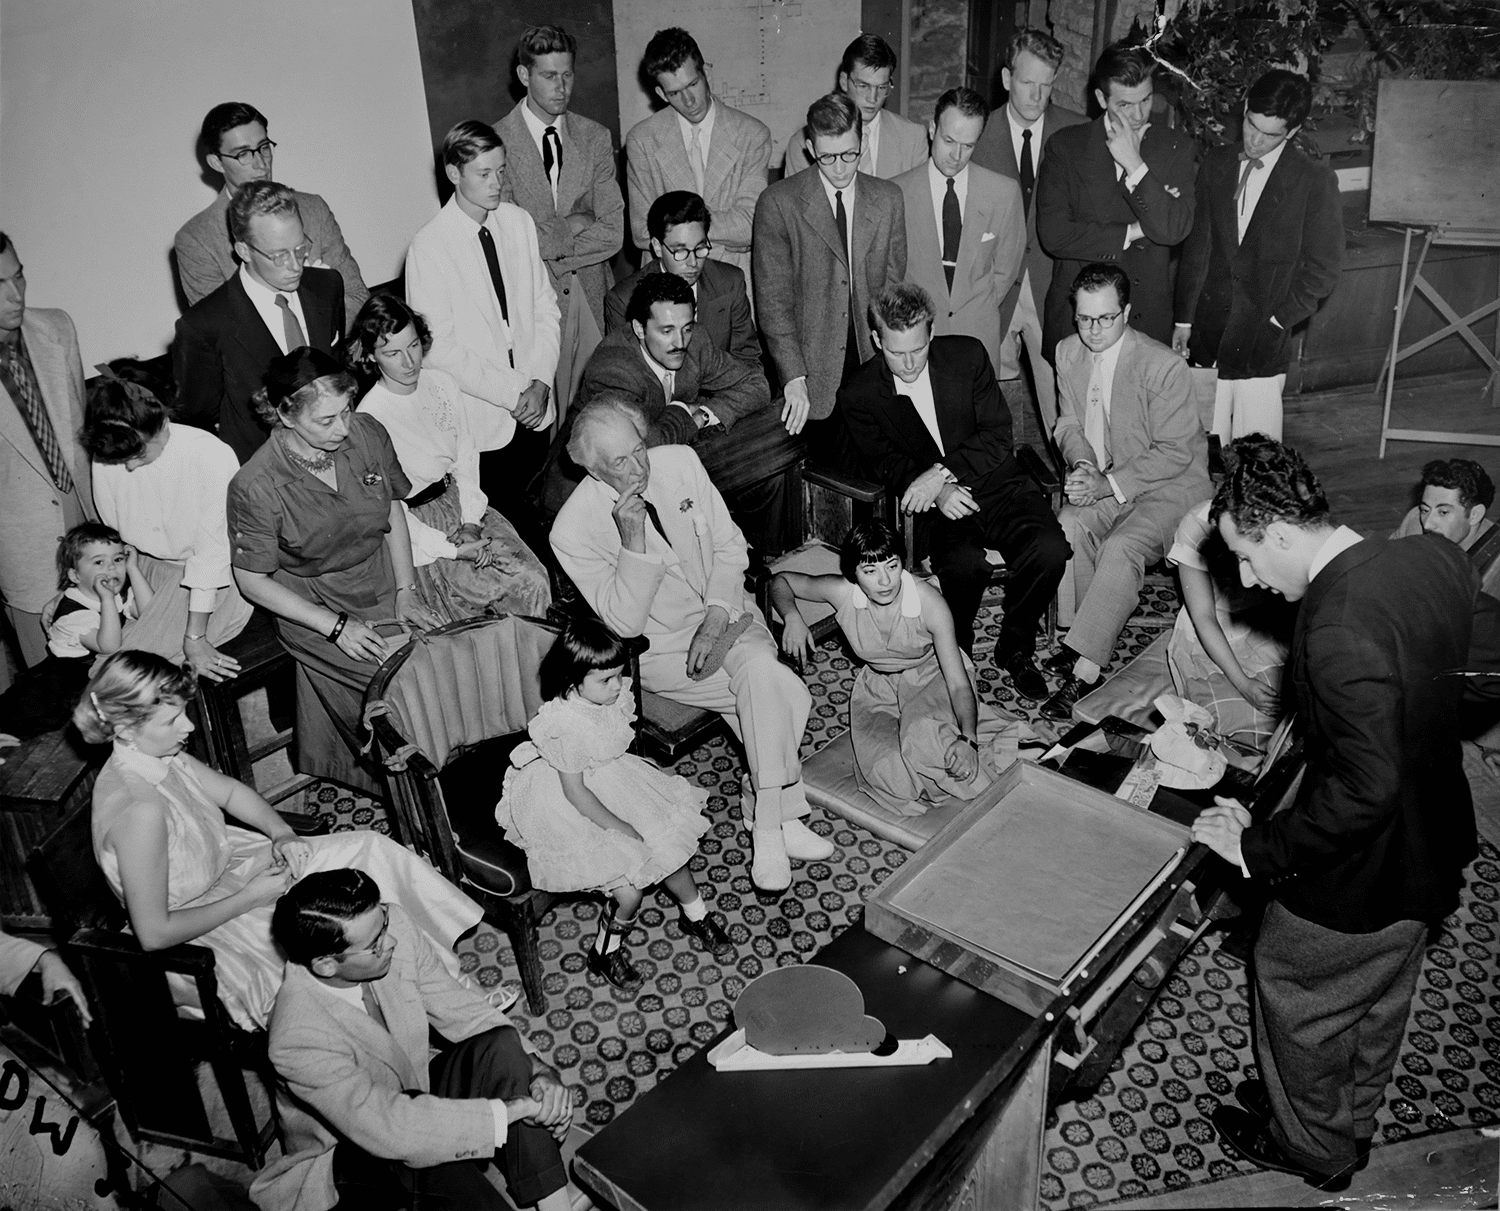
{"points": [[275, 303], [678, 223], [1370, 855], [928, 420]]}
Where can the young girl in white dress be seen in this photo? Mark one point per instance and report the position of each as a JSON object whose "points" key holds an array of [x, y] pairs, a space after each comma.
{"points": [[592, 817]]}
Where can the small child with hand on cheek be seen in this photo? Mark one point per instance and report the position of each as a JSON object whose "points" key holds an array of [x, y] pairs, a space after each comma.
{"points": [[103, 588]]}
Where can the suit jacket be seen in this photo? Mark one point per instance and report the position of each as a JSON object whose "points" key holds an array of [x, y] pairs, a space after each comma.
{"points": [[1155, 434], [35, 513], [448, 281], [996, 152], [989, 253], [664, 593], [734, 173], [206, 260], [223, 348], [1383, 823], [903, 145], [723, 310], [344, 1076], [1289, 261], [971, 416], [1083, 211], [586, 184], [802, 280]]}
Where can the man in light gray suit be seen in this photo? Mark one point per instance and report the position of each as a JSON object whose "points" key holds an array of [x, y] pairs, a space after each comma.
{"points": [[697, 144], [1129, 430], [892, 144], [964, 229], [45, 486], [826, 243], [1014, 148], [367, 1120]]}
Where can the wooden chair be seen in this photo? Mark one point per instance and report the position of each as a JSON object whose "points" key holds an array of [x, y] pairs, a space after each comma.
{"points": [[149, 1055], [445, 712]]}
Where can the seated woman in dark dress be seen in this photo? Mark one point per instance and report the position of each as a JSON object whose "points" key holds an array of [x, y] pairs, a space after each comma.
{"points": [[319, 539]]}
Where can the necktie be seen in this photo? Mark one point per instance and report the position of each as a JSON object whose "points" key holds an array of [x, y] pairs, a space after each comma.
{"points": [[551, 155], [695, 158], [487, 242], [841, 219], [20, 381], [1028, 172], [668, 384], [295, 337], [372, 1006], [952, 230], [656, 521], [1250, 163], [1095, 426]]}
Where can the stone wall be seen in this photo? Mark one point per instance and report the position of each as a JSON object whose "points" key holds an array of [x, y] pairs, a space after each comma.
{"points": [[1073, 26], [939, 42]]}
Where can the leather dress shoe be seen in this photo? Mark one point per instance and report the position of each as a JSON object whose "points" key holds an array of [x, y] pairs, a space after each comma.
{"points": [[1025, 676], [1059, 707], [709, 932], [1251, 1138], [615, 967], [804, 844], [1252, 1096], [1061, 662]]}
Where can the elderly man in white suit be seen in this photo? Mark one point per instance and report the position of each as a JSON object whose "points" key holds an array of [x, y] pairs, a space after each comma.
{"points": [[475, 272], [649, 542]]}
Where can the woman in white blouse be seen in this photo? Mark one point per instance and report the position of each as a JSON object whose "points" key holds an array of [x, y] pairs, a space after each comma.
{"points": [[469, 559], [163, 487]]}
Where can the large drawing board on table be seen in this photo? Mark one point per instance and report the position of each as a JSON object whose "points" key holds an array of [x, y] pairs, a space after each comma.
{"points": [[1436, 171]]}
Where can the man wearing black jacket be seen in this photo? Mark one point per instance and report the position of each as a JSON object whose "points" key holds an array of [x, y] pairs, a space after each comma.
{"points": [[1371, 852]]}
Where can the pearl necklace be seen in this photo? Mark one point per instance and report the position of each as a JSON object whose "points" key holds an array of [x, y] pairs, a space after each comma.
{"points": [[318, 465]]}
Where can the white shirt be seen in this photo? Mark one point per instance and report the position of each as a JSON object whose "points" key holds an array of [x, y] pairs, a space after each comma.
{"points": [[537, 128], [173, 508], [833, 205], [938, 183], [1255, 185], [1333, 546], [1016, 142], [705, 130], [65, 635], [264, 299], [872, 140], [430, 430], [1108, 360], [661, 373], [920, 394]]}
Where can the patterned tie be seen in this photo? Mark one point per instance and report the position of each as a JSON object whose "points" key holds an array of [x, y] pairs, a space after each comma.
{"points": [[695, 158], [1095, 426], [1250, 162], [1028, 172], [952, 232], [552, 156], [668, 384], [18, 378], [295, 337]]}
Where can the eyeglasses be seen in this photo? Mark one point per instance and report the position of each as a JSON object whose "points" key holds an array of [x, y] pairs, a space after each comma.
{"points": [[829, 158], [681, 254], [1098, 321], [374, 947], [261, 151], [284, 258], [877, 91]]}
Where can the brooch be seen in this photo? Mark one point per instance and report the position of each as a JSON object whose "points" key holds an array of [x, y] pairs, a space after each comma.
{"points": [[686, 506], [371, 478]]}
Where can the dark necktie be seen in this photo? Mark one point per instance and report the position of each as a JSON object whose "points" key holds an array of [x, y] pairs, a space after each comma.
{"points": [[1249, 163], [492, 259], [656, 520], [551, 151], [372, 1006], [295, 337], [953, 226], [851, 338], [1028, 172], [19, 380]]}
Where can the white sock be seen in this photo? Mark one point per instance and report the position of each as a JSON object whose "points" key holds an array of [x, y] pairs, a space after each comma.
{"points": [[695, 909], [1086, 670]]}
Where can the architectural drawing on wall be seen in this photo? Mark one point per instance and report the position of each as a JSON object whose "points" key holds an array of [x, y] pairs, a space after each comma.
{"points": [[770, 58]]}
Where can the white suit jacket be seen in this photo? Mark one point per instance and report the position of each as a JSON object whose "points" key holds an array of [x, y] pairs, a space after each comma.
{"points": [[341, 1074], [448, 281], [664, 593]]}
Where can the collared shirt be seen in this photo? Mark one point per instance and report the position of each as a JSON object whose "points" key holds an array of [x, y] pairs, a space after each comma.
{"points": [[1108, 360], [82, 617], [661, 373], [938, 183], [1016, 142], [264, 299], [833, 206], [1333, 546], [173, 508], [920, 395], [1255, 185], [538, 128], [871, 135], [705, 130]]}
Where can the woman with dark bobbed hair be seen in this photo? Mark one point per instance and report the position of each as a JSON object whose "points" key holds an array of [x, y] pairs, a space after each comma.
{"points": [[163, 487], [469, 559], [319, 539]]}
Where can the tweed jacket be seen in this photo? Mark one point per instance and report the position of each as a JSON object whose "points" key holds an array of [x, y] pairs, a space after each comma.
{"points": [[448, 281], [223, 348], [206, 260], [586, 185], [802, 282], [990, 249], [903, 145], [341, 1075], [723, 310], [1083, 212], [734, 173], [996, 152], [32, 507], [1288, 263], [1157, 439]]}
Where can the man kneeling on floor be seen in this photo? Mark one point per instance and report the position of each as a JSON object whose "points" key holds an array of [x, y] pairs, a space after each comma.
{"points": [[367, 1120]]}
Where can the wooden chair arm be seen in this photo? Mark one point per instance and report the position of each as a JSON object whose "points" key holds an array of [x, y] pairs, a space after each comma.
{"points": [[1041, 470], [185, 959], [852, 486]]}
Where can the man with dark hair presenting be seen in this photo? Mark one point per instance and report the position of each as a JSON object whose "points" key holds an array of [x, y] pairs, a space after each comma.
{"points": [[1371, 852]]}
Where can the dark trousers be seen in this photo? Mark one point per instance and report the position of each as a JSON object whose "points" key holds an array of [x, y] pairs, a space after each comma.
{"points": [[829, 442], [1016, 520], [505, 476], [1330, 1012], [489, 1065]]}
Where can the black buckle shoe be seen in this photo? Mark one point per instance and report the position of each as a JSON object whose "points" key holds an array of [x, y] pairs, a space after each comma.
{"points": [[1251, 1138], [1059, 707], [614, 967], [709, 932], [1024, 675]]}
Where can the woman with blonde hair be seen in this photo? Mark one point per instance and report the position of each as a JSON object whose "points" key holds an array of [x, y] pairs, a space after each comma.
{"points": [[186, 874]]}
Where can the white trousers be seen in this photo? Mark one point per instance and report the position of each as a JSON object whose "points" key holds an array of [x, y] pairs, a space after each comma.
{"points": [[1248, 405]]}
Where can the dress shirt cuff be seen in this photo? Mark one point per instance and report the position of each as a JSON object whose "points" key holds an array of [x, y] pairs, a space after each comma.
{"points": [[733, 611], [1277, 322], [713, 418], [497, 1108], [1115, 488], [1135, 178], [202, 601]]}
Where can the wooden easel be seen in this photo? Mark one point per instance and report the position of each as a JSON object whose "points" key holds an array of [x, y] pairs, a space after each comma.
{"points": [[1437, 171]]}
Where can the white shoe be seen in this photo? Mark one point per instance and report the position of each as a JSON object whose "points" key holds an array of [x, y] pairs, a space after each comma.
{"points": [[803, 843], [770, 868]]}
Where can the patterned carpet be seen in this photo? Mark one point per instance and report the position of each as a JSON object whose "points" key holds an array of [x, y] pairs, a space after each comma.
{"points": [[1146, 1130]]}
